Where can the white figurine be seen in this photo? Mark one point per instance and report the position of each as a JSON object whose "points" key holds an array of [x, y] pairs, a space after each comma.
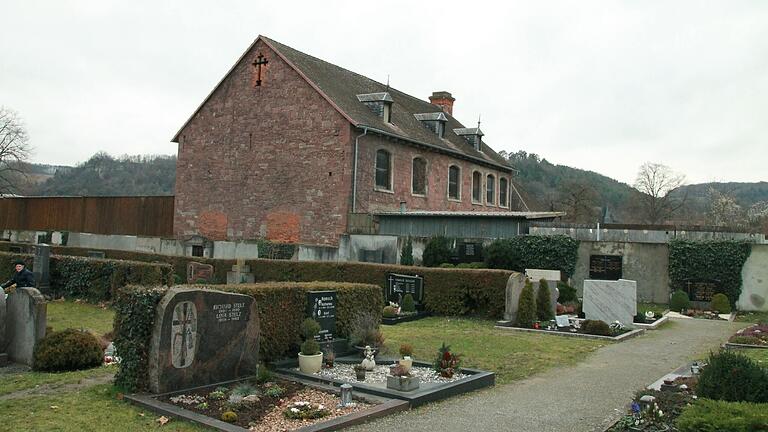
{"points": [[368, 362]]}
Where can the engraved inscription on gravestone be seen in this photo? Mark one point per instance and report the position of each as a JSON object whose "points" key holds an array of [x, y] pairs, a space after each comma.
{"points": [[398, 285], [701, 290], [321, 306], [183, 334]]}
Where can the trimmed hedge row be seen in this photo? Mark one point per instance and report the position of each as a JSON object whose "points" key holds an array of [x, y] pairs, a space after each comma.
{"points": [[90, 278], [281, 307], [720, 260], [447, 291]]}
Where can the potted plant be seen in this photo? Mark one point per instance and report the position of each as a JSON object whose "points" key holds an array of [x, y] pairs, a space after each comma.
{"points": [[401, 379], [447, 363], [406, 352], [359, 372], [329, 356], [310, 356]]}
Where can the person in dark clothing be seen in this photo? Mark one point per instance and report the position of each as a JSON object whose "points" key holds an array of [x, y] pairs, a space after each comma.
{"points": [[22, 277]]}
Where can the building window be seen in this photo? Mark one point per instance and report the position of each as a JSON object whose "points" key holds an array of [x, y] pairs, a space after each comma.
{"points": [[477, 187], [490, 190], [197, 251], [383, 170], [503, 192], [454, 182], [419, 177]]}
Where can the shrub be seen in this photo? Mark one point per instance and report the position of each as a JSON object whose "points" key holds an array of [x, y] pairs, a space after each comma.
{"points": [[229, 416], [567, 293], [389, 312], [365, 331], [409, 305], [716, 416], [721, 304], [436, 252], [310, 328], [472, 265], [544, 252], [67, 350], [596, 327], [679, 301], [406, 350], [543, 302], [526, 306], [406, 255], [733, 377]]}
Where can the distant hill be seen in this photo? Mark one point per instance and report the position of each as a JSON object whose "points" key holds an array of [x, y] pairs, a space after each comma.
{"points": [[104, 175]]}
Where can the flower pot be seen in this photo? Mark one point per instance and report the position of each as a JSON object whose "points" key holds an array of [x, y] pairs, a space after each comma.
{"points": [[310, 363], [402, 383], [360, 374], [406, 363]]}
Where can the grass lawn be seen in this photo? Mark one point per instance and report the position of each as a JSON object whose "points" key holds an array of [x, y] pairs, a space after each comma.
{"points": [[13, 382], [511, 355], [752, 317], [69, 314], [91, 409], [758, 355]]}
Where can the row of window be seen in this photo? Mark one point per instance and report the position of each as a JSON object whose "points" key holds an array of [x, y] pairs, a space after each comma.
{"points": [[419, 181]]}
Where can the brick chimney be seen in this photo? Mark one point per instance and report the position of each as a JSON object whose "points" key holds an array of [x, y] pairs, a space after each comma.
{"points": [[444, 100]]}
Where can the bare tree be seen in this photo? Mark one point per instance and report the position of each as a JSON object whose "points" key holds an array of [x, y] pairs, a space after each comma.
{"points": [[579, 200], [657, 184], [14, 150]]}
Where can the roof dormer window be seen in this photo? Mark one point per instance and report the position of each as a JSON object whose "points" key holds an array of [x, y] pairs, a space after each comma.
{"points": [[433, 121], [474, 136], [379, 103]]}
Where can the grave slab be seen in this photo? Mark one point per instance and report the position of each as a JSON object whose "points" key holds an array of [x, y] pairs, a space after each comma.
{"points": [[201, 337], [25, 324], [610, 301]]}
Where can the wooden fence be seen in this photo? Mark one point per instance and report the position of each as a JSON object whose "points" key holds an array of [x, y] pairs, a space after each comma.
{"points": [[150, 216]]}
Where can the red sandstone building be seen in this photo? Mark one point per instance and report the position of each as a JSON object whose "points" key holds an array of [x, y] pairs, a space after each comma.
{"points": [[291, 148]]}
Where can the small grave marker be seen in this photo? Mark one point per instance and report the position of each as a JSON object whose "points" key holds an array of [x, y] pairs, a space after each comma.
{"points": [[321, 306], [562, 321], [197, 271]]}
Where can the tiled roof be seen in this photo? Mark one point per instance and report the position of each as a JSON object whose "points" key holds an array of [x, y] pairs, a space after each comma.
{"points": [[342, 87]]}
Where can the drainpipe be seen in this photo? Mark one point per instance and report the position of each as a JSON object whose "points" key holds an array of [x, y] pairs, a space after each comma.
{"points": [[354, 175]]}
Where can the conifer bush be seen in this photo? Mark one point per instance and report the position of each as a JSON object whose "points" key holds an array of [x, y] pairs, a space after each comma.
{"points": [[406, 256], [67, 350], [721, 304], [679, 301], [543, 306], [733, 377], [409, 305], [436, 252], [526, 307]]}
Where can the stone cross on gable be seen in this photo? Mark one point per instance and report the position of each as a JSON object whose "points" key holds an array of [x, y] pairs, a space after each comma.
{"points": [[260, 60], [184, 334]]}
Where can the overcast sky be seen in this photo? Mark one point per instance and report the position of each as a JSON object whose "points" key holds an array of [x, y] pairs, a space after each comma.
{"points": [[603, 86]]}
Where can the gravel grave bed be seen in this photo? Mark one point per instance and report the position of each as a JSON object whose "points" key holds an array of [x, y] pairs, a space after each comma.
{"points": [[261, 410], [344, 372]]}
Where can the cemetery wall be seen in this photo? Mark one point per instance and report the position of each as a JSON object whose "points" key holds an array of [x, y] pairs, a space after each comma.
{"points": [[281, 308], [646, 263], [584, 233], [754, 276], [92, 279]]}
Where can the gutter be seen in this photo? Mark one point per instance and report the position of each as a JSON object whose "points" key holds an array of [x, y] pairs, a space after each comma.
{"points": [[354, 175]]}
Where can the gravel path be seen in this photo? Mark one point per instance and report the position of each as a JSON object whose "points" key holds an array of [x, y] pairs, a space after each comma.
{"points": [[582, 398]]}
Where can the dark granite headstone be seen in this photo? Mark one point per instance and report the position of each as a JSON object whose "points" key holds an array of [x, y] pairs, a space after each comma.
{"points": [[605, 267], [700, 291], [41, 267], [321, 306], [398, 285], [197, 271], [202, 337], [26, 319]]}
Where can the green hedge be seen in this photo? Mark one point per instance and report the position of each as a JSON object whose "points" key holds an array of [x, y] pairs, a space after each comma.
{"points": [[90, 278], [556, 252], [281, 307], [447, 291], [720, 260], [717, 416]]}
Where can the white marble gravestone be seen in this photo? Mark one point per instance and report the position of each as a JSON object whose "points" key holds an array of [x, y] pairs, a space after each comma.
{"points": [[610, 301], [539, 274]]}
